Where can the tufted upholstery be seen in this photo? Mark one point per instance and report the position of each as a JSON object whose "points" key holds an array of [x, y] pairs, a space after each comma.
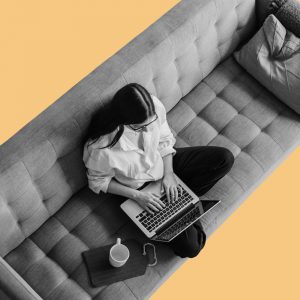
{"points": [[235, 111], [48, 216], [238, 113], [41, 167]]}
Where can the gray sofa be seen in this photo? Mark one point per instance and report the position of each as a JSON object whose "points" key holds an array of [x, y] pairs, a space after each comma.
{"points": [[49, 216]]}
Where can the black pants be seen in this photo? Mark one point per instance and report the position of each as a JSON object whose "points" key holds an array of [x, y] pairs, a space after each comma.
{"points": [[200, 167]]}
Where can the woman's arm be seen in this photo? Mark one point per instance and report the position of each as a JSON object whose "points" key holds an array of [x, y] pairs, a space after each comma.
{"points": [[168, 163], [169, 182], [149, 201], [117, 188]]}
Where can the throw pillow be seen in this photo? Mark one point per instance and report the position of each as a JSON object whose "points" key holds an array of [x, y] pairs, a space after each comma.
{"points": [[272, 56]]}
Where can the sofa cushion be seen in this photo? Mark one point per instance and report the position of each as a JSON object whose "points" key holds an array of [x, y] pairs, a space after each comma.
{"points": [[41, 167], [273, 57], [228, 108], [196, 42], [51, 261], [33, 189]]}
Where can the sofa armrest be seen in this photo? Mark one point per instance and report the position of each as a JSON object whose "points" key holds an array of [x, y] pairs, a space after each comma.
{"points": [[13, 285]]}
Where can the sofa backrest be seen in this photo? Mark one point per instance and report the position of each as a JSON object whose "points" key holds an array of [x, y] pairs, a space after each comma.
{"points": [[41, 166]]}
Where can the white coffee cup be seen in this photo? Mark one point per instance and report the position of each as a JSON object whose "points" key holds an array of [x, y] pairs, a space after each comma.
{"points": [[118, 254]]}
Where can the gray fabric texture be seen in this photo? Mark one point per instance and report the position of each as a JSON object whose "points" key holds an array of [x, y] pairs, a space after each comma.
{"points": [[272, 56], [41, 166], [48, 216], [289, 15], [287, 12]]}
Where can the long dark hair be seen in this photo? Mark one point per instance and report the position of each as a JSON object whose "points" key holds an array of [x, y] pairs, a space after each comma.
{"points": [[132, 104]]}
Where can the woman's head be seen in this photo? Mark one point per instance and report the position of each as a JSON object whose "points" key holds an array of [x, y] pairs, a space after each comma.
{"points": [[131, 105]]}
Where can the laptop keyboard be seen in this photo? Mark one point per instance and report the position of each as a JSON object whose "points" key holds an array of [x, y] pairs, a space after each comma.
{"points": [[180, 224], [151, 222]]}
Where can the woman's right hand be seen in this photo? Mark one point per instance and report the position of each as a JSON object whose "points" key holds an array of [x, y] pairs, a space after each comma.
{"points": [[150, 201]]}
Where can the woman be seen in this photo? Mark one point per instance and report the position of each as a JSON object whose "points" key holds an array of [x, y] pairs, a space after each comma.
{"points": [[129, 144]]}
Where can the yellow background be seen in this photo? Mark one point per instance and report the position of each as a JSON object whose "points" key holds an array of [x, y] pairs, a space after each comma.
{"points": [[48, 46]]}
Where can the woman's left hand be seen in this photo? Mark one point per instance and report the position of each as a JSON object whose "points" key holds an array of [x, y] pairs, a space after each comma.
{"points": [[169, 183]]}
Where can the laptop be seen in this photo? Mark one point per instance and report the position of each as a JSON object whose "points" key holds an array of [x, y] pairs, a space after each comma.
{"points": [[174, 218]]}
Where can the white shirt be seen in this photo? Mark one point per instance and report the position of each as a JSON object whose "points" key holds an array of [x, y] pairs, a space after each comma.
{"points": [[125, 162]]}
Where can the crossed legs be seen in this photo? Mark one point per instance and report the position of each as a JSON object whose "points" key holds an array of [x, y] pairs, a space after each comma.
{"points": [[200, 167]]}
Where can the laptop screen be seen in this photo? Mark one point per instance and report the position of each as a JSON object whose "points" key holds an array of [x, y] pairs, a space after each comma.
{"points": [[206, 205]]}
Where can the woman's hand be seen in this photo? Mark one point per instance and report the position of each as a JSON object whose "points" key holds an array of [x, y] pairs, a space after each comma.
{"points": [[169, 183], [148, 201]]}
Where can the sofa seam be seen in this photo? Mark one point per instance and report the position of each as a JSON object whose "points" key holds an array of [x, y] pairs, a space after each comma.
{"points": [[194, 45], [275, 141], [175, 64], [197, 114], [78, 125], [218, 16], [263, 129], [236, 181], [35, 211], [53, 261], [27, 287], [35, 179], [68, 276], [258, 163], [68, 233], [233, 79], [122, 74], [93, 210], [130, 290], [207, 121], [28, 267]]}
